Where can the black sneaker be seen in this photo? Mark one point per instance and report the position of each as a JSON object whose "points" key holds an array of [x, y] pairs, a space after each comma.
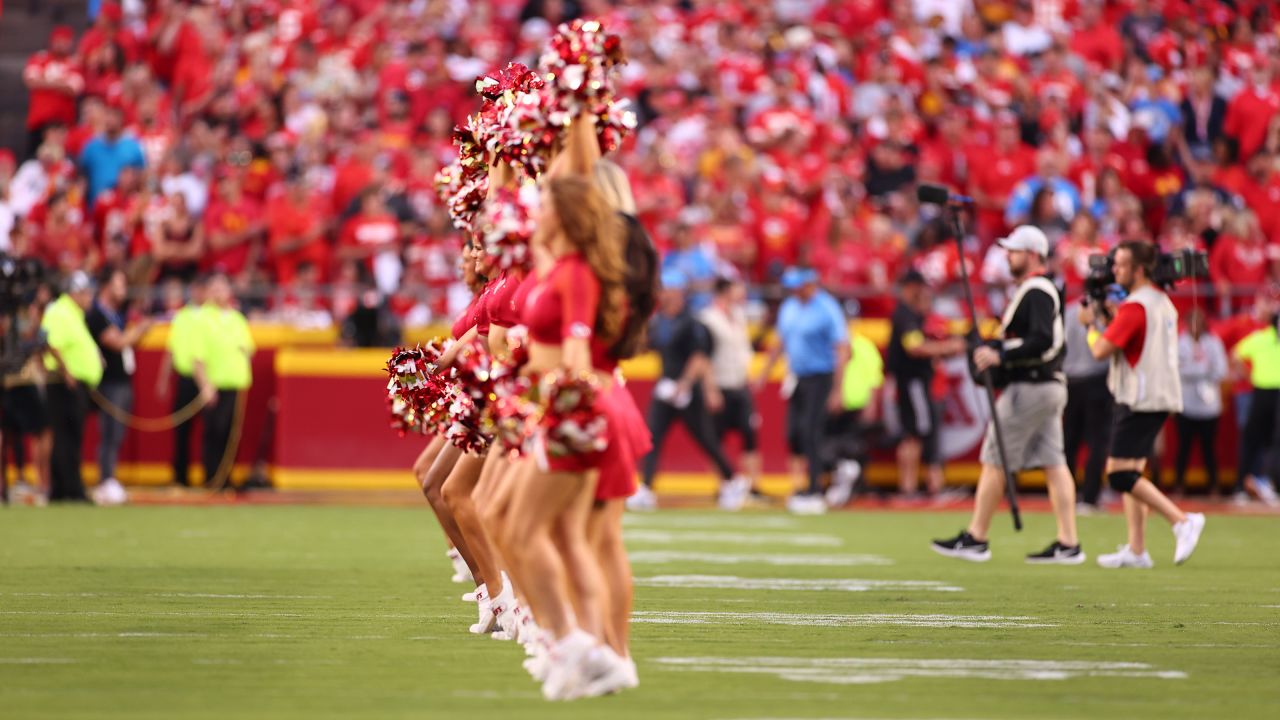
{"points": [[1058, 554], [964, 547]]}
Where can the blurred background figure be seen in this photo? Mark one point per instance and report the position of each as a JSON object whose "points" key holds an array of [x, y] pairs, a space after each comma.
{"points": [[187, 334], [24, 406], [727, 388], [685, 346], [223, 369], [847, 431], [116, 339], [813, 334], [1086, 422], [74, 366], [1202, 363], [910, 361], [1260, 433]]}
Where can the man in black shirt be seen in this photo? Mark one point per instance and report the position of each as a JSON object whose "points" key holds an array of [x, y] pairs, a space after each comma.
{"points": [[685, 347], [910, 362], [1029, 355], [106, 321]]}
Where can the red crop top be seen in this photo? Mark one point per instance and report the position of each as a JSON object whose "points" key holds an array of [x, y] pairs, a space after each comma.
{"points": [[467, 319], [502, 307], [483, 317], [563, 305]]}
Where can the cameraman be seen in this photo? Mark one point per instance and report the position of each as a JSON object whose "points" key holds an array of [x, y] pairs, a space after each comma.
{"points": [[1142, 344], [1029, 357]]}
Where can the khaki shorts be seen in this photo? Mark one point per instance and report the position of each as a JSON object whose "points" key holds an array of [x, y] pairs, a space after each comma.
{"points": [[1031, 420]]}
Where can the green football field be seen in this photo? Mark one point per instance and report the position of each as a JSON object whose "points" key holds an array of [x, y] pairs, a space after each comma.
{"points": [[318, 612]]}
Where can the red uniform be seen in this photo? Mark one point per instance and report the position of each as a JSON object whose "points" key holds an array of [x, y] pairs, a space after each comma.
{"points": [[563, 306]]}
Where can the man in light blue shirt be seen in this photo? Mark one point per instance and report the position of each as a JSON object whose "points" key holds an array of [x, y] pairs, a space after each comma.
{"points": [[814, 335], [1066, 197], [694, 262], [106, 155]]}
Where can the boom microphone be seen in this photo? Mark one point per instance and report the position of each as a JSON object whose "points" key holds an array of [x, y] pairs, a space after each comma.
{"points": [[938, 195]]}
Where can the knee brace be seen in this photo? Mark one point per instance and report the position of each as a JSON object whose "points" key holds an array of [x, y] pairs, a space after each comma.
{"points": [[1123, 480]]}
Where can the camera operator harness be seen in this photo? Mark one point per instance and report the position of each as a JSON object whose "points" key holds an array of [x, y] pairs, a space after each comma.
{"points": [[1033, 334]]}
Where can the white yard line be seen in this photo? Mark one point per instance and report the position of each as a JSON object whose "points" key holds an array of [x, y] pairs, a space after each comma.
{"points": [[676, 520], [730, 582], [37, 661], [858, 671], [835, 620], [203, 596], [665, 557], [696, 537]]}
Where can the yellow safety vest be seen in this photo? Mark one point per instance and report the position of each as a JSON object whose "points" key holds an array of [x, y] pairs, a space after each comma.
{"points": [[68, 333], [185, 338], [225, 348], [863, 374], [1262, 349]]}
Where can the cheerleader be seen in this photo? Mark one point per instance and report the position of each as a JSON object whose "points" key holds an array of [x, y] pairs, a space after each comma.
{"points": [[459, 555]]}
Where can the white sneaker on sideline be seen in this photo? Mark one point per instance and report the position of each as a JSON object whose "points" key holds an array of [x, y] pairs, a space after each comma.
{"points": [[633, 675], [461, 573], [1187, 535], [843, 481], [1126, 558], [607, 672], [568, 663], [733, 494], [644, 500], [110, 492], [1266, 493]]}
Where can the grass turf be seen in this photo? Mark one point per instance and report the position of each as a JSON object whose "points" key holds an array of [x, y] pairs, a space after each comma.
{"points": [[318, 612]]}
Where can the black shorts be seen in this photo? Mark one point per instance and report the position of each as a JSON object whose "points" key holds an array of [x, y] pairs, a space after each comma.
{"points": [[24, 410], [919, 417], [1133, 434], [738, 415]]}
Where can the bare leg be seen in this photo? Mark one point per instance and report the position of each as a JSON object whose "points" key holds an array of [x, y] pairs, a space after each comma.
{"points": [[936, 479], [432, 485], [751, 466], [41, 452], [1135, 515], [1150, 495], [986, 500], [457, 494], [1062, 495], [583, 568], [605, 531], [909, 466], [799, 472], [539, 500]]}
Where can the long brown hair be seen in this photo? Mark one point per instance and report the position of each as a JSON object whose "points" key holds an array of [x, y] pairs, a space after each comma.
{"points": [[592, 228]]}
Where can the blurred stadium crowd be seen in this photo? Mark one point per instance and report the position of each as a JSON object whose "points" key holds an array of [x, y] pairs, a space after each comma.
{"points": [[292, 143]]}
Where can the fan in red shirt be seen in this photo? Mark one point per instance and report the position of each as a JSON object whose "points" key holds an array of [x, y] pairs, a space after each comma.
{"points": [[354, 173], [1241, 260], [107, 30], [1250, 112], [372, 236], [778, 228], [1096, 40], [59, 235], [113, 216], [54, 79], [992, 180], [233, 227], [296, 225]]}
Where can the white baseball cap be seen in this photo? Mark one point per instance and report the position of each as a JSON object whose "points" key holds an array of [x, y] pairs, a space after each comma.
{"points": [[1026, 237]]}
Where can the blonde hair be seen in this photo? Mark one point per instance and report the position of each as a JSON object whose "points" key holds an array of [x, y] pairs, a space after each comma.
{"points": [[612, 182]]}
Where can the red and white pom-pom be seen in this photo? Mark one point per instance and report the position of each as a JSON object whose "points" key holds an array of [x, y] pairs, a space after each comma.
{"points": [[507, 225], [511, 413], [577, 62], [448, 180], [515, 78], [467, 202], [615, 120], [570, 423], [411, 385]]}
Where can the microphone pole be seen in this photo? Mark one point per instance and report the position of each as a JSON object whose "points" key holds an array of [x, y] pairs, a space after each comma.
{"points": [[952, 212]]}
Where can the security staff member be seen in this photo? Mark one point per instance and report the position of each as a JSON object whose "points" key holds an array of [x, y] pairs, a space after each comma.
{"points": [[186, 333], [223, 370], [75, 365], [1029, 355], [1260, 436], [1142, 344], [684, 345]]}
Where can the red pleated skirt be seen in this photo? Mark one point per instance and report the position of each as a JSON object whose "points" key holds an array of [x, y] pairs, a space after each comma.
{"points": [[628, 441]]}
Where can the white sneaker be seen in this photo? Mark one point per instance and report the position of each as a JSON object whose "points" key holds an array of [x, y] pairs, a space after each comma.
{"points": [[806, 504], [608, 672], [461, 573], [569, 664], [1126, 558], [1187, 535], [469, 596], [503, 608], [1240, 499], [643, 500], [843, 481], [633, 675], [733, 495], [110, 492], [487, 620], [1266, 493]]}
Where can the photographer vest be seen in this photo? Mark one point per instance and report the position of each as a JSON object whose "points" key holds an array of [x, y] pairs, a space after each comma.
{"points": [[1047, 367], [1153, 384]]}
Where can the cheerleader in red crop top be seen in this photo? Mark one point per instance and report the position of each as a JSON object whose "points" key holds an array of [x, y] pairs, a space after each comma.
{"points": [[430, 468]]}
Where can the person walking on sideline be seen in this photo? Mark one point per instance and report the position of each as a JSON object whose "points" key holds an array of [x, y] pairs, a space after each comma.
{"points": [[813, 333], [727, 387]]}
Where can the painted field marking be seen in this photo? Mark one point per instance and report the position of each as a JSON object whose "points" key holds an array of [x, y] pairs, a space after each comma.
{"points": [[202, 596], [677, 520], [694, 537], [37, 661], [834, 620], [664, 557], [730, 582], [860, 671]]}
